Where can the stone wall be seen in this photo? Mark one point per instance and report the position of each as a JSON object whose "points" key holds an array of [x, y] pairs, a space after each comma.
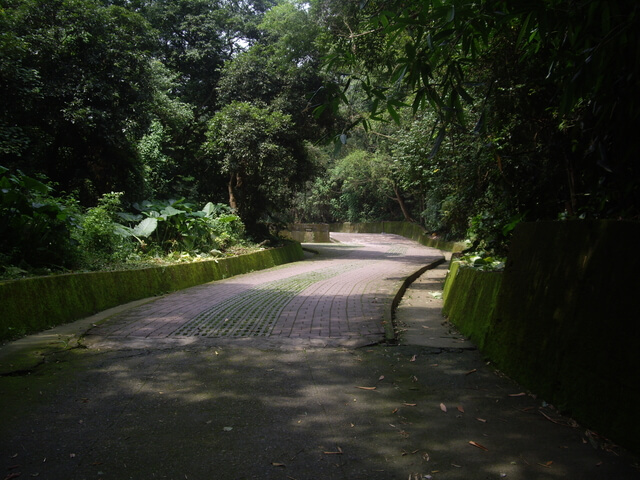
{"points": [[563, 320], [35, 304], [309, 232]]}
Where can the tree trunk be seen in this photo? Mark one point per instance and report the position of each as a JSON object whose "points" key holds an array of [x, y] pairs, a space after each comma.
{"points": [[235, 181], [403, 207]]}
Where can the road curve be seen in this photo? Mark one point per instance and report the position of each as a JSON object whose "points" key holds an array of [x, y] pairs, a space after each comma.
{"points": [[340, 296]]}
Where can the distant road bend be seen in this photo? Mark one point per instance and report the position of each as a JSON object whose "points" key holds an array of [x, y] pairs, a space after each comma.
{"points": [[338, 297]]}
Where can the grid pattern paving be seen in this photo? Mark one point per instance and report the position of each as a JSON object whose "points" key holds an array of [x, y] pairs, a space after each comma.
{"points": [[342, 293]]}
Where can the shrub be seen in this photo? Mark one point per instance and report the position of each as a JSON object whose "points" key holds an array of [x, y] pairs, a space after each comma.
{"points": [[35, 227], [175, 225], [100, 235]]}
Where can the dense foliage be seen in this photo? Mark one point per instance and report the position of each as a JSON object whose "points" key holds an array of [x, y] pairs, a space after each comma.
{"points": [[524, 110], [464, 116]]}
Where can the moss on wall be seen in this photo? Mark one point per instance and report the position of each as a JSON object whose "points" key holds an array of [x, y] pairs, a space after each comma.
{"points": [[405, 229], [35, 304], [565, 320], [470, 299]]}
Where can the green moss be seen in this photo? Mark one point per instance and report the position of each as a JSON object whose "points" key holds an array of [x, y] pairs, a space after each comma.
{"points": [[35, 304], [470, 300]]}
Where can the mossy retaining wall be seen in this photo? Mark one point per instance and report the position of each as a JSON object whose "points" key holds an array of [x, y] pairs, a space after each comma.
{"points": [[470, 298], [308, 232], [565, 322], [35, 304], [406, 229]]}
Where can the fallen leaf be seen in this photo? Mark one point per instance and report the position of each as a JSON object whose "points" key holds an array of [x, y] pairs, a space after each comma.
{"points": [[481, 420], [443, 407], [415, 379], [410, 404], [546, 465], [276, 464], [381, 378], [457, 466], [471, 371], [394, 410], [227, 429], [367, 388], [337, 452], [404, 452], [460, 409], [413, 359], [521, 394], [12, 475], [433, 365], [477, 445]]}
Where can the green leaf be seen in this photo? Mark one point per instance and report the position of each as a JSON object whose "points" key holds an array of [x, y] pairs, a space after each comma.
{"points": [[170, 211], [34, 185], [451, 14], [122, 230], [394, 114], [146, 227], [129, 217]]}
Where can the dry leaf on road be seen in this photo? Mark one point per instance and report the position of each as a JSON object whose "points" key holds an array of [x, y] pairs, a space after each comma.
{"points": [[337, 452], [477, 445]]}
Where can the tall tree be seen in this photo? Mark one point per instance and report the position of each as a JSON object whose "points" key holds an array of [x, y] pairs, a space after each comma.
{"points": [[91, 87], [258, 150], [551, 88]]}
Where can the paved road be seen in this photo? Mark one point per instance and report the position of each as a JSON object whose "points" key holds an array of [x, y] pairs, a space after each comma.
{"points": [[251, 398], [340, 296]]}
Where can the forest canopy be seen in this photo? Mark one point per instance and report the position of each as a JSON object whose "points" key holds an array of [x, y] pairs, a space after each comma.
{"points": [[466, 117]]}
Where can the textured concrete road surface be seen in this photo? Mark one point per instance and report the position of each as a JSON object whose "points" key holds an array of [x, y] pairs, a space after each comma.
{"points": [[341, 296], [284, 374]]}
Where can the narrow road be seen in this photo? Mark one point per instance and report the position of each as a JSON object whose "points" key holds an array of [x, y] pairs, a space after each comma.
{"points": [[340, 296], [256, 377]]}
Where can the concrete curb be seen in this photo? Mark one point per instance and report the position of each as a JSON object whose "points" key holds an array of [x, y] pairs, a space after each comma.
{"points": [[390, 333]]}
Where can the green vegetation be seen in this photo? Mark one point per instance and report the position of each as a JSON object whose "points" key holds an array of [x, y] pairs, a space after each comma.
{"points": [[463, 117], [42, 233]]}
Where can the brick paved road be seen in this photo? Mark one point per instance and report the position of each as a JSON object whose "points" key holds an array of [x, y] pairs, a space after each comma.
{"points": [[340, 296]]}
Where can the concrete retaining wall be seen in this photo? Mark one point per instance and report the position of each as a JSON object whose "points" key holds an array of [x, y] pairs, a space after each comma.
{"points": [[563, 319], [35, 304], [470, 299], [405, 229], [308, 232]]}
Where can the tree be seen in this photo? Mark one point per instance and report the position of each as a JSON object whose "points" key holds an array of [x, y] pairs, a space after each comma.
{"points": [[91, 89], [282, 69], [546, 92], [264, 160]]}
